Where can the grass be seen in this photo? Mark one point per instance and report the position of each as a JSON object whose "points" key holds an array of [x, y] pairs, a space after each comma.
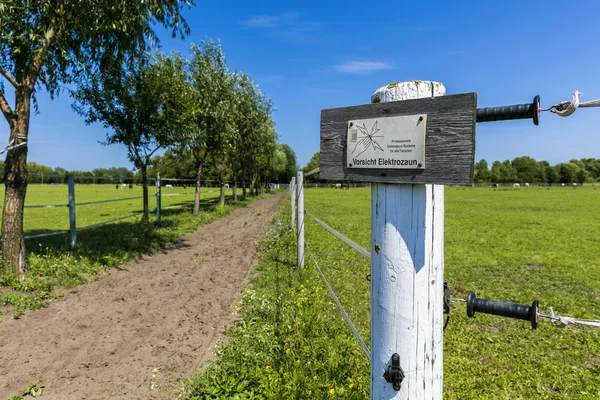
{"points": [[45, 220], [53, 265], [509, 245]]}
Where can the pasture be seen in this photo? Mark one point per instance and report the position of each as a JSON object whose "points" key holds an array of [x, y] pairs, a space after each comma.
{"points": [[512, 245], [42, 220]]}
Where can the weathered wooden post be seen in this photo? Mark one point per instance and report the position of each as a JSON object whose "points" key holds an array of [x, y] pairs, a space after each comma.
{"points": [[293, 199], [407, 150], [157, 197], [72, 214], [407, 271], [300, 231]]}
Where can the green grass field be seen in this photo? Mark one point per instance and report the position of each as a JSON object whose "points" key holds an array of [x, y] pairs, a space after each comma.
{"points": [[57, 219], [505, 244]]}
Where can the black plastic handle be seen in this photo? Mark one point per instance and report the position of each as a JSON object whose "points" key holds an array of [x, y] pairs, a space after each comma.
{"points": [[502, 309], [518, 111]]}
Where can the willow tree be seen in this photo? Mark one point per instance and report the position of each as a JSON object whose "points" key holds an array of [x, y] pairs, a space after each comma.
{"points": [[213, 88], [144, 108], [45, 44], [255, 139]]}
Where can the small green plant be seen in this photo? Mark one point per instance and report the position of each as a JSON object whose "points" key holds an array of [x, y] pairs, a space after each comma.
{"points": [[33, 389]]}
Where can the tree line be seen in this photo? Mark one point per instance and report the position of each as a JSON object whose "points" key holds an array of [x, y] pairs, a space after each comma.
{"points": [[521, 169], [527, 170], [210, 117]]}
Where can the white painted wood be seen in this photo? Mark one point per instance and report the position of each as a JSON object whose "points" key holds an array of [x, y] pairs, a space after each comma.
{"points": [[72, 214], [158, 197], [300, 197], [293, 200], [407, 275]]}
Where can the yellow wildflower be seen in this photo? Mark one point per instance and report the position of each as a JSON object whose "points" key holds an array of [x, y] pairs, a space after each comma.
{"points": [[331, 392], [298, 362], [267, 368], [314, 378], [308, 363], [288, 351]]}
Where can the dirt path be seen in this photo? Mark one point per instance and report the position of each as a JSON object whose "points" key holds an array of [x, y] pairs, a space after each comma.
{"points": [[104, 339]]}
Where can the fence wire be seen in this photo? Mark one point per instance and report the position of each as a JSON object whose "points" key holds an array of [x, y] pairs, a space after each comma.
{"points": [[340, 307], [39, 235], [309, 173], [107, 201], [109, 221], [340, 236]]}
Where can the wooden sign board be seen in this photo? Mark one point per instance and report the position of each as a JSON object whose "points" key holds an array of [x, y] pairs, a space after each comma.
{"points": [[389, 149]]}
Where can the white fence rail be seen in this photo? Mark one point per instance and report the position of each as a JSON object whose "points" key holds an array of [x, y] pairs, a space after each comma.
{"points": [[72, 204]]}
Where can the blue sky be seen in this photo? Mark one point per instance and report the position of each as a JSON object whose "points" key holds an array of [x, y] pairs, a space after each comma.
{"points": [[311, 55]]}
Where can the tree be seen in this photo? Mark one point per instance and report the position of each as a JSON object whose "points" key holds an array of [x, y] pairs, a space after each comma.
{"points": [[526, 169], [482, 173], [313, 163], [213, 87], [142, 108], [256, 138], [46, 44], [291, 165]]}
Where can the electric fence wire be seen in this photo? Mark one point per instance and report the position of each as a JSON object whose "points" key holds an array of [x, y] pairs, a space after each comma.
{"points": [[343, 238], [339, 305]]}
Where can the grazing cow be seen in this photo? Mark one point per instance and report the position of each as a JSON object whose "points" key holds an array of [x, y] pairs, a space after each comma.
{"points": [[574, 184], [526, 184], [123, 186], [131, 186], [562, 184], [495, 185], [516, 185], [227, 186], [168, 186], [117, 186]]}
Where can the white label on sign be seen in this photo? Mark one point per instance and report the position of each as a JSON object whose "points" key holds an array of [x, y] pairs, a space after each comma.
{"points": [[387, 143]]}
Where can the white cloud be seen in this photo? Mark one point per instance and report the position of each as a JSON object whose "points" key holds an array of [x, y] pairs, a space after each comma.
{"points": [[361, 67], [270, 21]]}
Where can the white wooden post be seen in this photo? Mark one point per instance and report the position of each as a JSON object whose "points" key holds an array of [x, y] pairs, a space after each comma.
{"points": [[72, 216], [158, 197], [407, 275], [300, 197], [293, 199]]}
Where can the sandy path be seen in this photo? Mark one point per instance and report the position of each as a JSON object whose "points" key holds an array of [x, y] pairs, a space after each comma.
{"points": [[104, 339]]}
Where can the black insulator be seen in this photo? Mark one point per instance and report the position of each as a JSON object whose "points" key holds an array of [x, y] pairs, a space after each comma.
{"points": [[518, 111], [500, 308]]}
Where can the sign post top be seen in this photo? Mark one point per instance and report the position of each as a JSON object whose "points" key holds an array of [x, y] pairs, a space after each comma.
{"points": [[444, 142]]}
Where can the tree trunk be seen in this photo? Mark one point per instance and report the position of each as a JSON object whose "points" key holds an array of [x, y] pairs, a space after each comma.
{"points": [[144, 172], [15, 175], [243, 189], [235, 190], [197, 191], [222, 179]]}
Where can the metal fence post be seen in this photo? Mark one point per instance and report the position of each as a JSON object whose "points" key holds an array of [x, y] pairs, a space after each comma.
{"points": [[300, 197], [293, 199], [158, 197], [72, 218]]}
